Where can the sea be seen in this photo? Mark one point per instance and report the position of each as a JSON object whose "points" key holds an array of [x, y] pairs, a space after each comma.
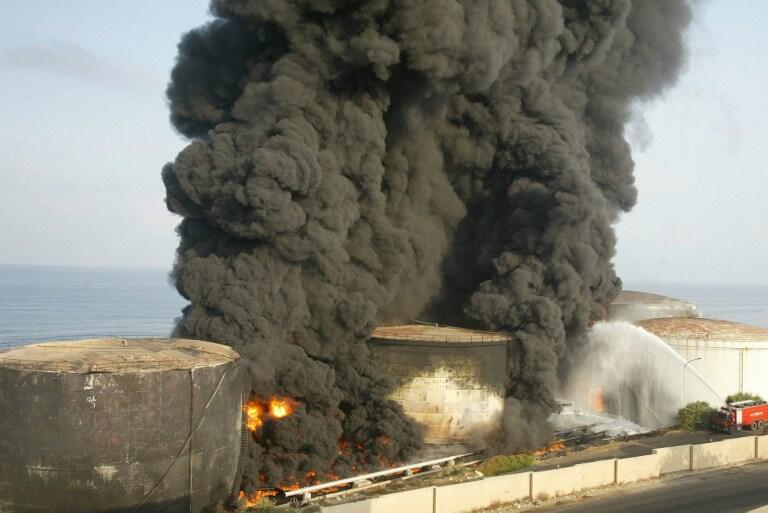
{"points": [[49, 303], [747, 304]]}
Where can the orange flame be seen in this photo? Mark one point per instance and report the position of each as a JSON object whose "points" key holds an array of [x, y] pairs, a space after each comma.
{"points": [[253, 499], [385, 462], [279, 408], [596, 400], [253, 413], [554, 447], [257, 409]]}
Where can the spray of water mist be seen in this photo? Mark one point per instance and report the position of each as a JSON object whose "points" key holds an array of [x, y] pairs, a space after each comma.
{"points": [[640, 377]]}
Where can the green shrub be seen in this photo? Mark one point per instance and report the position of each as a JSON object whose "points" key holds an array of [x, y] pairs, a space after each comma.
{"points": [[695, 416], [454, 471], [742, 396], [504, 464]]}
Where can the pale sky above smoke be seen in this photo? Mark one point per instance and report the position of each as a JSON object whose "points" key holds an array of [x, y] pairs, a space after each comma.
{"points": [[84, 133]]}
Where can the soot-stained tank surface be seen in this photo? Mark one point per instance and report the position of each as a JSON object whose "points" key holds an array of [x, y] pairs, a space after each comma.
{"points": [[118, 425], [450, 380]]}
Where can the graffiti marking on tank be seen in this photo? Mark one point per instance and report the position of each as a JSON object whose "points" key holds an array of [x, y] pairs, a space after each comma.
{"points": [[89, 382], [106, 472]]}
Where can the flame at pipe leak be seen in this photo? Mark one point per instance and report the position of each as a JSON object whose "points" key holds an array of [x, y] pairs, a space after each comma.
{"points": [[352, 164], [551, 449], [254, 498]]}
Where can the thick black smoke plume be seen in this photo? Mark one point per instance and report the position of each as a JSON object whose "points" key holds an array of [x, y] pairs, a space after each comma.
{"points": [[357, 162]]}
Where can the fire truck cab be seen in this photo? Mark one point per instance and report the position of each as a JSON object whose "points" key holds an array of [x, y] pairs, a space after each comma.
{"points": [[741, 415]]}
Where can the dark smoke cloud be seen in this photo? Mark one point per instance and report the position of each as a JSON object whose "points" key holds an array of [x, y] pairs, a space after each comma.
{"points": [[357, 162]]}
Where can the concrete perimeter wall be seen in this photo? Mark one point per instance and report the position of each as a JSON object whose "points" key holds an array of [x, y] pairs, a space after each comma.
{"points": [[762, 447], [674, 459], [597, 474], [350, 507], [420, 500], [725, 452], [551, 483], [487, 492], [639, 468], [482, 493]]}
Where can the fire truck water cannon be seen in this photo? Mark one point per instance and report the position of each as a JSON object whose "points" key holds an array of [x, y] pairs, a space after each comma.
{"points": [[741, 415]]}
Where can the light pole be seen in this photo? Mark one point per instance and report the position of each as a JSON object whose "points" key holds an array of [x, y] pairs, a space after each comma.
{"points": [[684, 366]]}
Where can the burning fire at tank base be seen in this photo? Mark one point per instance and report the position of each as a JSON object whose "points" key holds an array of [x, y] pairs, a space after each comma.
{"points": [[260, 411], [318, 489]]}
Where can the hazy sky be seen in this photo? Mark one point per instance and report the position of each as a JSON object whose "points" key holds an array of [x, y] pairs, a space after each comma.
{"points": [[84, 133]]}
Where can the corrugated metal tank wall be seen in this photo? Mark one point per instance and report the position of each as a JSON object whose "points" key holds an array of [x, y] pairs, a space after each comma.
{"points": [[734, 356], [111, 426], [450, 380]]}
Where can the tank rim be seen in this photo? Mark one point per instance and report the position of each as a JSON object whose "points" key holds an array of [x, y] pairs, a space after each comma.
{"points": [[437, 334], [435, 343], [704, 329], [116, 355]]}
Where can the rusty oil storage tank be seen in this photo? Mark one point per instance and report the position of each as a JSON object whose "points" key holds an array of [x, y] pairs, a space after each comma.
{"points": [[451, 380], [734, 356], [119, 425]]}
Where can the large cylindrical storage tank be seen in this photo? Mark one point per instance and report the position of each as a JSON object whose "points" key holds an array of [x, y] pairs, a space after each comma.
{"points": [[633, 306], [734, 356], [118, 425], [450, 380]]}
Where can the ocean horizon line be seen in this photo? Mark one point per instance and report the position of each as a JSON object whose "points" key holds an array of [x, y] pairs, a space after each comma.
{"points": [[85, 266]]}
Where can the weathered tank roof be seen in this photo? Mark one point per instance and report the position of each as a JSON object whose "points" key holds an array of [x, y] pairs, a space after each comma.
{"points": [[436, 333], [117, 355], [697, 327]]}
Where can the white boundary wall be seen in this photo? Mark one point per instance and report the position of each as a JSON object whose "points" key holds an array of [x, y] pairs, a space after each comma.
{"points": [[674, 459], [762, 447], [724, 452], [597, 474], [349, 507], [420, 500], [482, 493], [488, 492], [555, 482], [639, 468]]}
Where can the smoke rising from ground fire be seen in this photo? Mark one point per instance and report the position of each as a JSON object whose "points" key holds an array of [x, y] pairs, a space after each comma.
{"points": [[374, 161]]}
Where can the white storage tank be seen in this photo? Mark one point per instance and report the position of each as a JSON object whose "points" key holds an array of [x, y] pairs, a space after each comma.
{"points": [[450, 380], [734, 356]]}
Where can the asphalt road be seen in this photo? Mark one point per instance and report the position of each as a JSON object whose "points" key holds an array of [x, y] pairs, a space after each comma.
{"points": [[733, 490]]}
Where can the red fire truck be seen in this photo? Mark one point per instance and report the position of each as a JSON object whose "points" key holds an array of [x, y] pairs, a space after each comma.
{"points": [[741, 415]]}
